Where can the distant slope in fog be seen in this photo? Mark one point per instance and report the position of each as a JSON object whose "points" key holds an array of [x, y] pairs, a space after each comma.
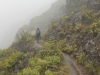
{"points": [[7, 39], [57, 9]]}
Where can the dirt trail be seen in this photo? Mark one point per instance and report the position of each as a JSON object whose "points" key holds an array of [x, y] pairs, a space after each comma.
{"points": [[74, 69], [37, 45], [73, 66]]}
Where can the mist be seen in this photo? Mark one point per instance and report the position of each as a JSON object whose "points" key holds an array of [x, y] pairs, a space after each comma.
{"points": [[16, 13]]}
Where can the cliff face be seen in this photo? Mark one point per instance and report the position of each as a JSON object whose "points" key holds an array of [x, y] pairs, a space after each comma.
{"points": [[94, 4]]}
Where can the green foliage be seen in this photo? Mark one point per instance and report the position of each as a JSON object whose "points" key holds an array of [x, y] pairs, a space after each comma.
{"points": [[25, 37], [45, 62], [23, 43], [95, 28], [12, 60], [81, 58], [49, 46], [93, 68], [7, 65], [73, 39], [66, 48], [90, 66], [80, 28], [29, 71], [53, 59], [89, 16], [34, 62], [50, 49], [70, 49], [48, 72], [37, 66], [5, 53], [63, 71]]}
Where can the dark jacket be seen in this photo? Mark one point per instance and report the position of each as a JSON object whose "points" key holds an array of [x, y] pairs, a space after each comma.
{"points": [[38, 33]]}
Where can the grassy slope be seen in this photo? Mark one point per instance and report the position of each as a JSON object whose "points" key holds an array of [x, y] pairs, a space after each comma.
{"points": [[81, 40], [22, 58]]}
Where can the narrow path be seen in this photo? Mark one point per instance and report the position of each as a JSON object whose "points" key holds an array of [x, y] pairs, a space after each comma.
{"points": [[37, 45], [72, 65]]}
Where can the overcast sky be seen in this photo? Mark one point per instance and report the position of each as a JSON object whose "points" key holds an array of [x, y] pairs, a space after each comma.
{"points": [[13, 13]]}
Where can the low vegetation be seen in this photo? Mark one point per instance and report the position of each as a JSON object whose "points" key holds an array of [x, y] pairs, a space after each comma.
{"points": [[47, 61], [81, 39]]}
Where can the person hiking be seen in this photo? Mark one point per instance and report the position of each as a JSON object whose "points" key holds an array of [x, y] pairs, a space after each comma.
{"points": [[38, 35]]}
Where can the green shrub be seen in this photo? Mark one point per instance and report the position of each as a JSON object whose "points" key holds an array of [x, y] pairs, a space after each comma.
{"points": [[24, 42], [48, 72], [29, 71], [53, 60], [5, 53], [81, 58], [12, 60]]}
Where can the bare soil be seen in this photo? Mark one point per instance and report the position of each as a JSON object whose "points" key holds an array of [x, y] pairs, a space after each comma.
{"points": [[74, 67]]}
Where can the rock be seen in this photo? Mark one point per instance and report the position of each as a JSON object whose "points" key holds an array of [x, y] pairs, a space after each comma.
{"points": [[51, 37], [93, 4], [77, 18]]}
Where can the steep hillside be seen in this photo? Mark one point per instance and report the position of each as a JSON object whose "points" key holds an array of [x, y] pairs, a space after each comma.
{"points": [[24, 58], [57, 10], [76, 33], [79, 34]]}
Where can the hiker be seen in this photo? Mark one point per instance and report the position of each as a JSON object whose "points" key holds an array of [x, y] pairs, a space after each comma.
{"points": [[38, 35]]}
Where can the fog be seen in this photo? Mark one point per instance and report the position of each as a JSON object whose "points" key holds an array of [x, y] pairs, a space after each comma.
{"points": [[15, 13]]}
